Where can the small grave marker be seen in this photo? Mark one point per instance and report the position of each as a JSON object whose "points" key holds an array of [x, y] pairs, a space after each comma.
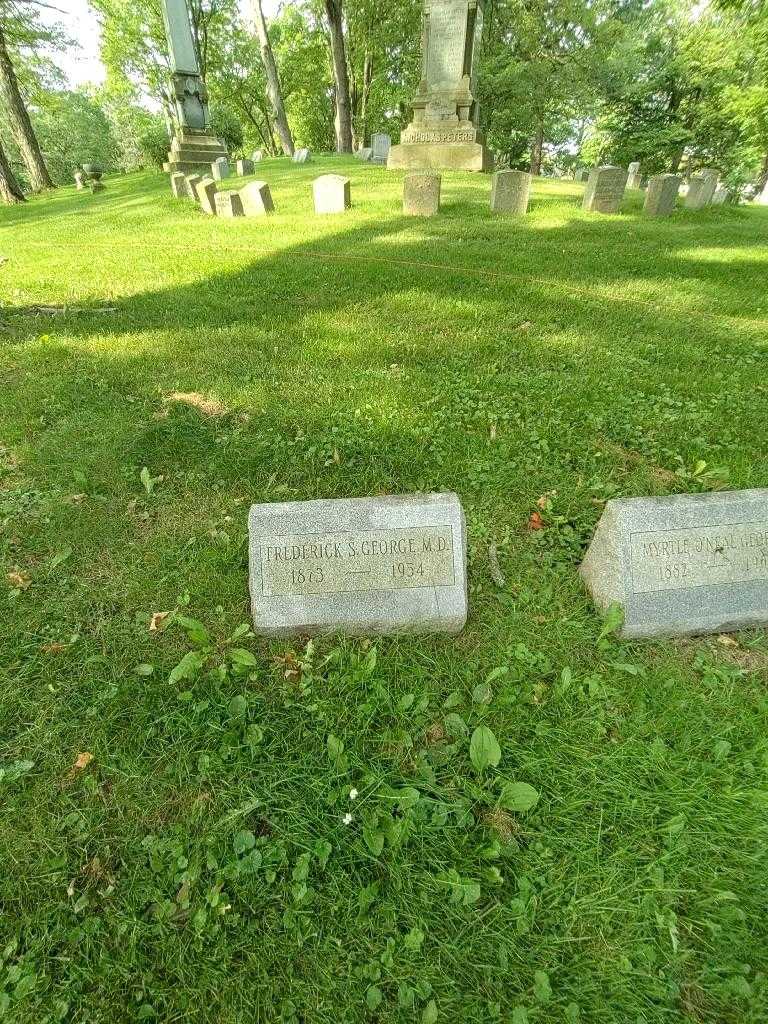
{"points": [[331, 193], [661, 195], [510, 192], [256, 198], [605, 189], [421, 194]]}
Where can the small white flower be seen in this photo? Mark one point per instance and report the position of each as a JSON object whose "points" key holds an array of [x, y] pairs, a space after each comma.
{"points": [[347, 819], [353, 794]]}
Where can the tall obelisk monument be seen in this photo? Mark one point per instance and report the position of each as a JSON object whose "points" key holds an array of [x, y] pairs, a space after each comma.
{"points": [[443, 133]]}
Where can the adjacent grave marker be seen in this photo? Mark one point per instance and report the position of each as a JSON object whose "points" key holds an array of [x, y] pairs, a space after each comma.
{"points": [[710, 175], [691, 563], [421, 194], [220, 169], [696, 196], [193, 180], [256, 199], [364, 153], [381, 143], [582, 174], [510, 192], [256, 156], [605, 189], [359, 565], [634, 177], [79, 181], [179, 184], [301, 156], [243, 167], [331, 193], [206, 195], [661, 195], [228, 204]]}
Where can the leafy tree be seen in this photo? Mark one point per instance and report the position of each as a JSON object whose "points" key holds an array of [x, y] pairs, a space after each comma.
{"points": [[274, 89]]}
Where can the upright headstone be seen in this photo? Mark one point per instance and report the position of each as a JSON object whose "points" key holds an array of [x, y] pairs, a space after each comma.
{"points": [[381, 143], [720, 196], [510, 192], [301, 156], [256, 156], [79, 181], [220, 169], [194, 146], [762, 196], [364, 153], [243, 167], [331, 193], [634, 177], [661, 195], [256, 199], [421, 194], [359, 565], [696, 197], [581, 174], [444, 131], [691, 563], [206, 195], [710, 175], [605, 189], [193, 180], [228, 204], [178, 184]]}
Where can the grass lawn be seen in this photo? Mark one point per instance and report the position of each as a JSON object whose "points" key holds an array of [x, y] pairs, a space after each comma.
{"points": [[172, 843]]}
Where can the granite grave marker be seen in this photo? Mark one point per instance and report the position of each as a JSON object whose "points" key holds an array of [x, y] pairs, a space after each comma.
{"points": [[421, 194], [661, 196], [510, 192], [256, 198], [331, 193], [605, 189]]}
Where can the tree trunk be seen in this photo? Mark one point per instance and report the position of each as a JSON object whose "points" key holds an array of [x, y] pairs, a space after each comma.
{"points": [[274, 90], [21, 126], [537, 149], [762, 178], [367, 79], [343, 119], [10, 191]]}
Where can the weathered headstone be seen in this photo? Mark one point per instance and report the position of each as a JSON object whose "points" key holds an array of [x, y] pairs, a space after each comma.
{"points": [[634, 177], [193, 180], [194, 146], [302, 156], [331, 193], [691, 563], [696, 196], [97, 185], [720, 196], [510, 192], [178, 184], [364, 153], [581, 174], [605, 189], [243, 167], [79, 181], [220, 169], [206, 195], [661, 195], [421, 194], [228, 204], [381, 143], [444, 131], [256, 156], [359, 565], [710, 175], [256, 199]]}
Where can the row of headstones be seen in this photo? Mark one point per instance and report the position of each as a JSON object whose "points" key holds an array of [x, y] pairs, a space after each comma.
{"points": [[220, 168], [378, 151], [605, 186], [331, 194], [677, 565]]}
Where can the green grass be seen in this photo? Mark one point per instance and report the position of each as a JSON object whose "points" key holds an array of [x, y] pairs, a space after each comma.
{"points": [[198, 868]]}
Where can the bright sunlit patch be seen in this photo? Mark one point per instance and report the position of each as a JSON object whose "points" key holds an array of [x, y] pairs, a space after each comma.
{"points": [[725, 254]]}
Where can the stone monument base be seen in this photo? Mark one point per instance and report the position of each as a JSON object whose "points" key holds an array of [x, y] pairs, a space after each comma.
{"points": [[424, 149], [194, 152]]}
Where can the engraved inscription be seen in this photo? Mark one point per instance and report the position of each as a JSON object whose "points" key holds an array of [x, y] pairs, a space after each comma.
{"points": [[445, 61], [415, 135], [706, 556], [355, 562]]}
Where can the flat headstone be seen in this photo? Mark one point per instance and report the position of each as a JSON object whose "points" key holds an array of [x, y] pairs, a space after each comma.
{"points": [[634, 177], [220, 169], [228, 204], [301, 156], [359, 565], [605, 189], [421, 194], [243, 167], [510, 192], [206, 195], [661, 196], [381, 143], [696, 196], [256, 199], [179, 184], [331, 193], [691, 563], [193, 180]]}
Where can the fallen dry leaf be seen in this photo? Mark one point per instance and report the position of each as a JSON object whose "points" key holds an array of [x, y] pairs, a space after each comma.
{"points": [[19, 580], [157, 621], [492, 432], [75, 499], [727, 641], [535, 522], [544, 500], [53, 648], [290, 666]]}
